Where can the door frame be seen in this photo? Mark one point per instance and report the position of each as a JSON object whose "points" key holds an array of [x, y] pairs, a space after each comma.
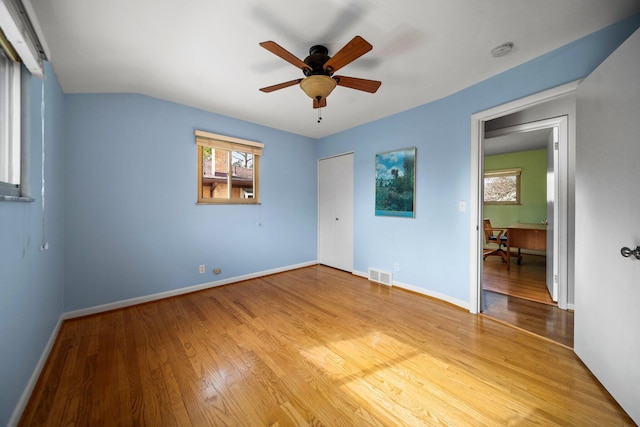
{"points": [[477, 166]]}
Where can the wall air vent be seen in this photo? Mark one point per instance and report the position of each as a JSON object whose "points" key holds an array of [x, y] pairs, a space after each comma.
{"points": [[380, 277]]}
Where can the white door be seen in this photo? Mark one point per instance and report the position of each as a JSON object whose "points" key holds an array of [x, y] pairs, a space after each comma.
{"points": [[335, 212], [326, 213], [552, 212], [607, 299]]}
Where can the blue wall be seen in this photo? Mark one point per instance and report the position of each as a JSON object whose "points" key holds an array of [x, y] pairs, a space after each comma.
{"points": [[121, 197], [31, 281], [134, 228], [432, 249]]}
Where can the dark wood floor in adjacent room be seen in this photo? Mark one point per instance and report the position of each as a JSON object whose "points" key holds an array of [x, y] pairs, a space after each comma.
{"points": [[519, 297], [313, 346]]}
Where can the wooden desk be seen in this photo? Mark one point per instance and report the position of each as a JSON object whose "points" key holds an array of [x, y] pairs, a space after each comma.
{"points": [[526, 236]]}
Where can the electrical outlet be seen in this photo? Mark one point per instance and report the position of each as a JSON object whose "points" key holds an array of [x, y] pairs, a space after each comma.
{"points": [[202, 269], [396, 266]]}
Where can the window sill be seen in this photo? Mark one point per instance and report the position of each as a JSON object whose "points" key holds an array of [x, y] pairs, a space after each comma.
{"points": [[503, 203], [226, 202], [16, 199]]}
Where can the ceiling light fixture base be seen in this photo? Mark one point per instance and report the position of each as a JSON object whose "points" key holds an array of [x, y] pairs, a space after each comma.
{"points": [[502, 50]]}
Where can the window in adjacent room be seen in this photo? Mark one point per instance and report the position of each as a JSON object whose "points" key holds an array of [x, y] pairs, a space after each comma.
{"points": [[228, 169], [502, 187]]}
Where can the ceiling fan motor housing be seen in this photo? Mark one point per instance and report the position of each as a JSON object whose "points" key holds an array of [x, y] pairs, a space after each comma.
{"points": [[318, 56]]}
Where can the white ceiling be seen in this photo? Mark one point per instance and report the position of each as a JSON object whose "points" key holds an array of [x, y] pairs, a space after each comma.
{"points": [[517, 141], [205, 53]]}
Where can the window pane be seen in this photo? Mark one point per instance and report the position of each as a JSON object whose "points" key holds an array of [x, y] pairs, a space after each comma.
{"points": [[5, 119], [10, 166], [215, 168], [501, 189], [242, 175]]}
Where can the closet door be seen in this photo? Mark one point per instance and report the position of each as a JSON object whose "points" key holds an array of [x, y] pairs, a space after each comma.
{"points": [[335, 212]]}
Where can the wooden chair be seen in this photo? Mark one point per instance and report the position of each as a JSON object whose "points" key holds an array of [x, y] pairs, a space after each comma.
{"points": [[494, 236]]}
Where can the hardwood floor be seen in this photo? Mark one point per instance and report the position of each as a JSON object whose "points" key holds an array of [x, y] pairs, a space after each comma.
{"points": [[545, 320], [520, 298], [526, 280], [313, 346]]}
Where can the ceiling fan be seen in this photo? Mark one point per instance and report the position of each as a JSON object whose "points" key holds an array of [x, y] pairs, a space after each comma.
{"points": [[319, 67]]}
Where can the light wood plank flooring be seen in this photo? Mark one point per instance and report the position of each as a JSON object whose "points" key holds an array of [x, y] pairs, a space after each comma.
{"points": [[313, 346], [526, 280], [520, 298]]}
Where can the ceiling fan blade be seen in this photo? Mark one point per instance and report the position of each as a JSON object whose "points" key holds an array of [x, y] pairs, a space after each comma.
{"points": [[350, 52], [278, 50], [320, 104], [280, 85], [370, 86]]}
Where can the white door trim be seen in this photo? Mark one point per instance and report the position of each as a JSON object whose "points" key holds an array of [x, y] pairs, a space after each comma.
{"points": [[477, 166], [336, 155]]}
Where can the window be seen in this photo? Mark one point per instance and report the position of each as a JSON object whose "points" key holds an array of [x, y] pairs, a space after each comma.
{"points": [[228, 169], [502, 187], [19, 45], [9, 126]]}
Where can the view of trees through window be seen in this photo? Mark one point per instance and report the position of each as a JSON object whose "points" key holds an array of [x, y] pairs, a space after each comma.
{"points": [[502, 187]]}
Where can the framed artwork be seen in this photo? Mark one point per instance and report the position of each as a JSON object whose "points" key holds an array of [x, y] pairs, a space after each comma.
{"points": [[396, 183]]}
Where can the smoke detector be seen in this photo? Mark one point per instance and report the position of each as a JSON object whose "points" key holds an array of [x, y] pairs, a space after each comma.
{"points": [[502, 50]]}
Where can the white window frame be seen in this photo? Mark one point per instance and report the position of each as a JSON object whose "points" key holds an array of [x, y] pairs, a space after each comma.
{"points": [[229, 144], [10, 141], [21, 46]]}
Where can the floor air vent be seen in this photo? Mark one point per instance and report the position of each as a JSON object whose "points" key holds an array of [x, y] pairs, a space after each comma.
{"points": [[380, 277]]}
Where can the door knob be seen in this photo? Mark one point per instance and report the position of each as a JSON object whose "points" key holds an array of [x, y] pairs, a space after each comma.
{"points": [[627, 252]]}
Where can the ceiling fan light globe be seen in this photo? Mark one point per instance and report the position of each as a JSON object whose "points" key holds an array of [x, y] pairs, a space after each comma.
{"points": [[318, 87]]}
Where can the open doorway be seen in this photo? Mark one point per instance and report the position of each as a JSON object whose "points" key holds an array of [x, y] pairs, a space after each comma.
{"points": [[552, 104], [520, 213]]}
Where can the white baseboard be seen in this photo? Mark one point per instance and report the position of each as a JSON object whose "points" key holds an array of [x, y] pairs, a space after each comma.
{"points": [[26, 394], [432, 294], [422, 291], [360, 273], [161, 295]]}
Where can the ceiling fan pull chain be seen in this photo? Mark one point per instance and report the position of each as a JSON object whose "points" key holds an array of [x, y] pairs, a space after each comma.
{"points": [[319, 115]]}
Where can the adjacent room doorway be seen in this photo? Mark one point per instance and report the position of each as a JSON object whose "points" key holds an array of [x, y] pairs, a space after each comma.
{"points": [[552, 109], [526, 293], [539, 181]]}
